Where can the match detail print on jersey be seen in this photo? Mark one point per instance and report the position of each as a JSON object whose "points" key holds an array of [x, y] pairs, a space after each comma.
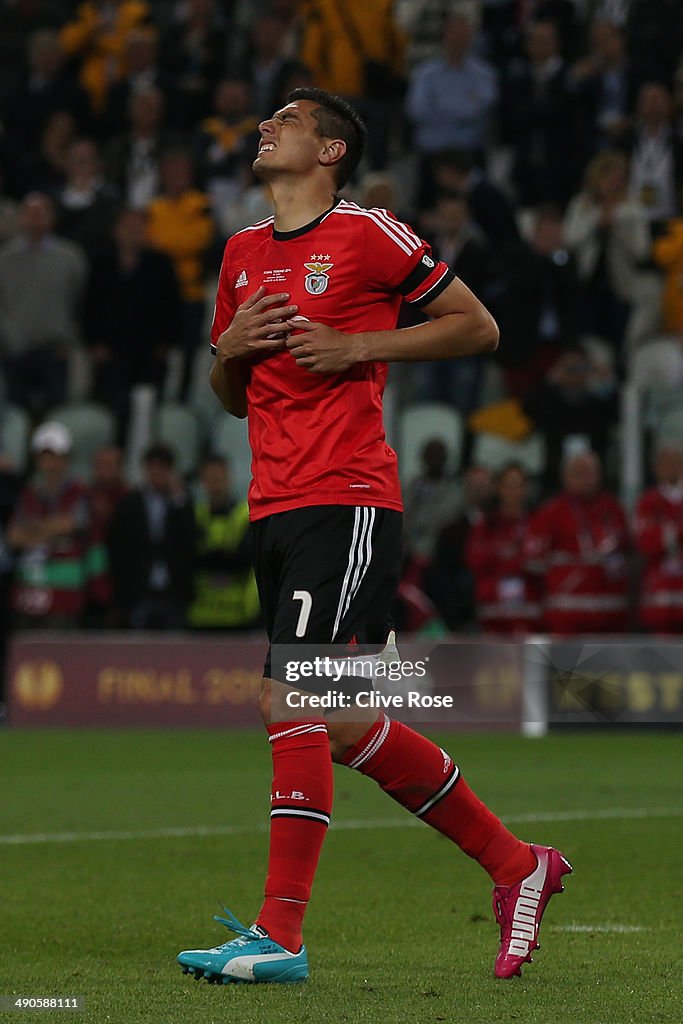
{"points": [[318, 439]]}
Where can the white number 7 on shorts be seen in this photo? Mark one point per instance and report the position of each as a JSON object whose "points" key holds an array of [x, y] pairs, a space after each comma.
{"points": [[306, 605]]}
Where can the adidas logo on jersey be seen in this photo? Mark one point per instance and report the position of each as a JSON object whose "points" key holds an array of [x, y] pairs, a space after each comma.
{"points": [[242, 281]]}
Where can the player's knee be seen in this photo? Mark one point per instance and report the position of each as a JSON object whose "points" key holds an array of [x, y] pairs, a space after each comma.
{"points": [[339, 747], [343, 737]]}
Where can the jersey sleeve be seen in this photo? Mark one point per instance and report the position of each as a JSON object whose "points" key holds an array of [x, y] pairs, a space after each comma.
{"points": [[224, 309], [398, 260]]}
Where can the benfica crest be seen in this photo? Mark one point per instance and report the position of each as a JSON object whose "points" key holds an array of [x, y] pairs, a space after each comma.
{"points": [[317, 280]]}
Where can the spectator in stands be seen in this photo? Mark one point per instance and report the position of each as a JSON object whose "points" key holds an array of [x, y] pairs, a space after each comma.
{"points": [[87, 202], [668, 254], [41, 287], [423, 22], [181, 226], [45, 89], [654, 31], [537, 110], [226, 145], [18, 22], [226, 595], [330, 43], [49, 534], [152, 548], [562, 13], [378, 189], [507, 597], [107, 490], [606, 84], [608, 234], [448, 581], [451, 97], [294, 75], [354, 49], [455, 240], [44, 169], [133, 158], [96, 38], [658, 533], [656, 154], [194, 53], [452, 171], [575, 407], [265, 63], [534, 294], [430, 501], [9, 219], [138, 288], [576, 544], [141, 72]]}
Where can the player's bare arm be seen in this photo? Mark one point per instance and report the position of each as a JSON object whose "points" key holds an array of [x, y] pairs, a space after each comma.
{"points": [[460, 326], [249, 334]]}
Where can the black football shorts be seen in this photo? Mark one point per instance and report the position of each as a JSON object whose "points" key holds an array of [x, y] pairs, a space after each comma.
{"points": [[327, 574]]}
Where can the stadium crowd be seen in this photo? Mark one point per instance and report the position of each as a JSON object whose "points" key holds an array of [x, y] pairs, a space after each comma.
{"points": [[538, 146]]}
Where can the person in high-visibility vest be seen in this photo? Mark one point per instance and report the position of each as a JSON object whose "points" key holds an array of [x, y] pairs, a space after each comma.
{"points": [[225, 586]]}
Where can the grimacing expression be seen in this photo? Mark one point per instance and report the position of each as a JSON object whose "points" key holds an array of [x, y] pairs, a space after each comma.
{"points": [[290, 142]]}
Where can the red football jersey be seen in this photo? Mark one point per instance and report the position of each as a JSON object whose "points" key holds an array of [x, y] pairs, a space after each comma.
{"points": [[318, 439]]}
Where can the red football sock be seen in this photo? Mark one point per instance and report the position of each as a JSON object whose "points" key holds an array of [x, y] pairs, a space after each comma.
{"points": [[422, 777], [300, 814]]}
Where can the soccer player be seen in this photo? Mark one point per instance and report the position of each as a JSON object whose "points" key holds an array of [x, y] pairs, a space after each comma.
{"points": [[304, 327]]}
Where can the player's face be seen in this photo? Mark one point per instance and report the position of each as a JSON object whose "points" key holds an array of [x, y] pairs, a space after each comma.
{"points": [[290, 143]]}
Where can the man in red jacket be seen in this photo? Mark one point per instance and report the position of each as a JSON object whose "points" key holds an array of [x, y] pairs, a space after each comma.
{"points": [[658, 533], [577, 543], [506, 594]]}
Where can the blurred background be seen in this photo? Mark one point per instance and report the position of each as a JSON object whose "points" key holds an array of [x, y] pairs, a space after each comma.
{"points": [[538, 146]]}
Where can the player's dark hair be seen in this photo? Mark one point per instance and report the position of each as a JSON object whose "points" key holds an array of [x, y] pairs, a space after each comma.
{"points": [[336, 119]]}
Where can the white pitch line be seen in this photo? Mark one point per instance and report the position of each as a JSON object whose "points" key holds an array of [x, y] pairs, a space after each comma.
{"points": [[201, 831], [619, 929]]}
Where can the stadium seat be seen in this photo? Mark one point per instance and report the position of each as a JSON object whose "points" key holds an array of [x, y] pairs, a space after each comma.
{"points": [[91, 426], [646, 313], [493, 385], [201, 398], [418, 424], [177, 426], [658, 364], [670, 426], [15, 428], [229, 438], [657, 402], [495, 452]]}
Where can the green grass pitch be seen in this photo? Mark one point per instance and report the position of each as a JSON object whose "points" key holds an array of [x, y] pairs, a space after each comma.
{"points": [[400, 926]]}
